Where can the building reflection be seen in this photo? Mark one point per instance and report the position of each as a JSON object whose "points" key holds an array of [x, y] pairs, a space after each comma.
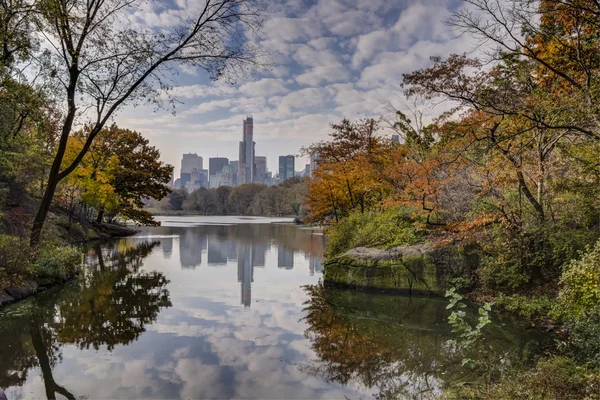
{"points": [[191, 244], [246, 272], [285, 258], [248, 245]]}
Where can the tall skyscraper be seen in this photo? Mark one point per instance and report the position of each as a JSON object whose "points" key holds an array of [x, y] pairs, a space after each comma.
{"points": [[246, 161], [286, 167]]}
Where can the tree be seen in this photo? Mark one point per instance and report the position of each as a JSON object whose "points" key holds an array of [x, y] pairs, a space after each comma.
{"points": [[345, 180], [140, 173], [176, 199], [201, 200], [101, 61], [241, 198], [559, 39], [222, 194]]}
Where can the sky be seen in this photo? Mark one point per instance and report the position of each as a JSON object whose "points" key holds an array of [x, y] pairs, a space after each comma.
{"points": [[332, 59]]}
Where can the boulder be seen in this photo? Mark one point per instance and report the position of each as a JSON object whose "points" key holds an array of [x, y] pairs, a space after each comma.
{"points": [[5, 298], [26, 290], [419, 269]]}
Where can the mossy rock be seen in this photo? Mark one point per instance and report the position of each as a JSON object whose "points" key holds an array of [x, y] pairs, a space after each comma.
{"points": [[403, 269]]}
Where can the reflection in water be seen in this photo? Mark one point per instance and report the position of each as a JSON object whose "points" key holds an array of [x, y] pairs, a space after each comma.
{"points": [[394, 345], [110, 305], [119, 333], [247, 244]]}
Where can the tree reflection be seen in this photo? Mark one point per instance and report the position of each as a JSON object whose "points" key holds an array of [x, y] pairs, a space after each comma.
{"points": [[387, 343], [110, 305], [396, 345], [114, 302]]}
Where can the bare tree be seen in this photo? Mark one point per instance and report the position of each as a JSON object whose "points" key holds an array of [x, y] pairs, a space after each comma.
{"points": [[102, 59], [558, 37]]}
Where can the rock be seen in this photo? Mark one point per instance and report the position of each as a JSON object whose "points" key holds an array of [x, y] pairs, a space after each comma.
{"points": [[21, 292], [46, 282], [404, 269], [5, 299]]}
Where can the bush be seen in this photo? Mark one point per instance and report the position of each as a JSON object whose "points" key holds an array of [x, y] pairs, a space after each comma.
{"points": [[15, 256], [584, 343], [530, 306], [555, 378], [384, 229], [56, 261], [580, 285]]}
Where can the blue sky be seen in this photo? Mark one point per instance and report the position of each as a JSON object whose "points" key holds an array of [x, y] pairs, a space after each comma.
{"points": [[332, 59]]}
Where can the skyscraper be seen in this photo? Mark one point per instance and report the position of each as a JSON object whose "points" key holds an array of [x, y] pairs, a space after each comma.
{"points": [[314, 159], [189, 163], [286, 167], [260, 169], [216, 164], [246, 161], [235, 169]]}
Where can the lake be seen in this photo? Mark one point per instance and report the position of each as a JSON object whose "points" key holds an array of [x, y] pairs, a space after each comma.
{"points": [[231, 307]]}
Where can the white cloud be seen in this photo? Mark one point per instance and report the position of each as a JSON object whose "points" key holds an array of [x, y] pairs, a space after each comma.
{"points": [[264, 87]]}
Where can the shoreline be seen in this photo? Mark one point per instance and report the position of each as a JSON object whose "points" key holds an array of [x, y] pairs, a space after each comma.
{"points": [[13, 295]]}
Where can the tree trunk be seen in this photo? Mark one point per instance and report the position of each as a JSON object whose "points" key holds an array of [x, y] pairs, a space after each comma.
{"points": [[40, 217], [100, 215]]}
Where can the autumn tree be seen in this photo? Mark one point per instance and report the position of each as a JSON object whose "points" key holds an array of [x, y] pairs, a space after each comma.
{"points": [[100, 61], [343, 182], [119, 171], [140, 173]]}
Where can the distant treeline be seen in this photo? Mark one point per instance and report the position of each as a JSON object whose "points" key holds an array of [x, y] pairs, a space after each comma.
{"points": [[249, 199]]}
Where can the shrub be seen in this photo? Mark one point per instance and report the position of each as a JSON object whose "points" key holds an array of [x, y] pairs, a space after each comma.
{"points": [[584, 343], [580, 285], [56, 261], [530, 306], [15, 256], [384, 229], [555, 378]]}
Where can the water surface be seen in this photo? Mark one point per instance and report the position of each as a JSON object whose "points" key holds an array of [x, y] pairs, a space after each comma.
{"points": [[226, 307]]}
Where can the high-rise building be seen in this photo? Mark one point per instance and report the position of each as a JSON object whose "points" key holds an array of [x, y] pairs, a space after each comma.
{"points": [[286, 167], [314, 158], [222, 178], [189, 163], [235, 168], [216, 165], [246, 161], [260, 169]]}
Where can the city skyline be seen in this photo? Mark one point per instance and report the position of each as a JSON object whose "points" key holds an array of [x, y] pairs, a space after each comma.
{"points": [[249, 168], [322, 71]]}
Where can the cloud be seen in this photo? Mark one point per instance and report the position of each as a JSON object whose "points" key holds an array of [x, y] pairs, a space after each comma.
{"points": [[331, 59], [264, 87]]}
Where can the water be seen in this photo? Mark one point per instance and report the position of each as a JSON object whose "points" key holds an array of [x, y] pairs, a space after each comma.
{"points": [[225, 307]]}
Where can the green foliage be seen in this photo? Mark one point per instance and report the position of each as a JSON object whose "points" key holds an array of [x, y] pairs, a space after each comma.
{"points": [[536, 306], [555, 378], [466, 336], [580, 285], [15, 259], [388, 228], [584, 344], [57, 261]]}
